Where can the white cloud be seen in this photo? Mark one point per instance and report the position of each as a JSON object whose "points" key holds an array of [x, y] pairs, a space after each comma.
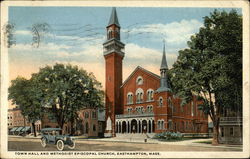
{"points": [[42, 47], [147, 56], [173, 33], [89, 51], [23, 32]]}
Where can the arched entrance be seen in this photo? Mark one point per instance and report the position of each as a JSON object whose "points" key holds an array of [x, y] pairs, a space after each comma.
{"points": [[116, 127], [139, 126], [149, 127], [123, 127], [144, 126], [128, 131], [134, 126]]}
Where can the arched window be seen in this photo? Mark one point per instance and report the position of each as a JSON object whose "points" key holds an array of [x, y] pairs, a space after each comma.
{"points": [[130, 98], [117, 33], [149, 108], [158, 124], [139, 80], [129, 110], [150, 95], [162, 124], [139, 95], [86, 115], [160, 101], [142, 110], [94, 114], [109, 34]]}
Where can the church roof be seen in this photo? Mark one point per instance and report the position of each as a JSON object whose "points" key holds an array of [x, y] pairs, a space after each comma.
{"points": [[164, 64], [113, 18], [143, 69]]}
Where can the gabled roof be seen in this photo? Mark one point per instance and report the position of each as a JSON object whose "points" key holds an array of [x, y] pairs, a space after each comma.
{"points": [[140, 68], [113, 18]]}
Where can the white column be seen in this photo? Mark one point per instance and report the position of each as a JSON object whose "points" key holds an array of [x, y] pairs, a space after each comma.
{"points": [[126, 126], [148, 125], [129, 127], [119, 127]]}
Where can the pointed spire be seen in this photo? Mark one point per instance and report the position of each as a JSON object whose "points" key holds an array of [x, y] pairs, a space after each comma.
{"points": [[113, 18], [164, 69], [164, 64]]}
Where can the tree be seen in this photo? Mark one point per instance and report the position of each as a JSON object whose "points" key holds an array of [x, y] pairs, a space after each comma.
{"points": [[211, 68], [27, 97], [67, 90]]}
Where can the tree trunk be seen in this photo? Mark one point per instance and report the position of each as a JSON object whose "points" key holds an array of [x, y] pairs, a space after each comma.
{"points": [[72, 126], [34, 129], [61, 124], [215, 133]]}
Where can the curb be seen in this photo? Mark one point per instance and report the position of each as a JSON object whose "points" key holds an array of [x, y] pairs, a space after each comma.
{"points": [[120, 141]]}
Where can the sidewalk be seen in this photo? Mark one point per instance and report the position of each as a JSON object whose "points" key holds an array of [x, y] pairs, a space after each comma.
{"points": [[31, 137], [191, 142]]}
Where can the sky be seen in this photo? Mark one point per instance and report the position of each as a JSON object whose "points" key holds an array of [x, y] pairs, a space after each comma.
{"points": [[75, 36]]}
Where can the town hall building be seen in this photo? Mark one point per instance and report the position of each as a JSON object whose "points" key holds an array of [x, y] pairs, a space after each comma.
{"points": [[144, 102]]}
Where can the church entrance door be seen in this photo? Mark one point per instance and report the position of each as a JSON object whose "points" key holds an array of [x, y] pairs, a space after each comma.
{"points": [[123, 127], [144, 126], [134, 126]]}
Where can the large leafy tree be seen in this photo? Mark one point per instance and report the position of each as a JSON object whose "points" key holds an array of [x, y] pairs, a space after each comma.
{"points": [[211, 68], [67, 90], [27, 96]]}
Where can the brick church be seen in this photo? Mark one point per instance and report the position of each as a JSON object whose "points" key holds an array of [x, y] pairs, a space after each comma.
{"points": [[144, 102]]}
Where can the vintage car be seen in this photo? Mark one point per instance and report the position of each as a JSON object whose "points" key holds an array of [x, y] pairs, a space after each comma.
{"points": [[52, 136]]}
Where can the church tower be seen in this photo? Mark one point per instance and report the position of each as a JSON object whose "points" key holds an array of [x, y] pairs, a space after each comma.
{"points": [[113, 54], [164, 86]]}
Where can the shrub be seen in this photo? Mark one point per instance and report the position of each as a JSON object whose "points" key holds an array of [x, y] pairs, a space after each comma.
{"points": [[168, 136]]}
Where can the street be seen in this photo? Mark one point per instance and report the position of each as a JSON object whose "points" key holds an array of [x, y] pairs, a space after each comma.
{"points": [[30, 144]]}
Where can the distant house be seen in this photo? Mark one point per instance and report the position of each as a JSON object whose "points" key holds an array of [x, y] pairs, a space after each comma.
{"points": [[90, 123], [231, 127], [17, 123]]}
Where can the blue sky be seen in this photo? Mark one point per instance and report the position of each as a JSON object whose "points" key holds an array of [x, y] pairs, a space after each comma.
{"points": [[76, 35]]}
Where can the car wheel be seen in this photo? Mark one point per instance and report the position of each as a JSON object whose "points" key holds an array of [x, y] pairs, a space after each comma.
{"points": [[43, 142], [72, 145], [59, 145]]}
